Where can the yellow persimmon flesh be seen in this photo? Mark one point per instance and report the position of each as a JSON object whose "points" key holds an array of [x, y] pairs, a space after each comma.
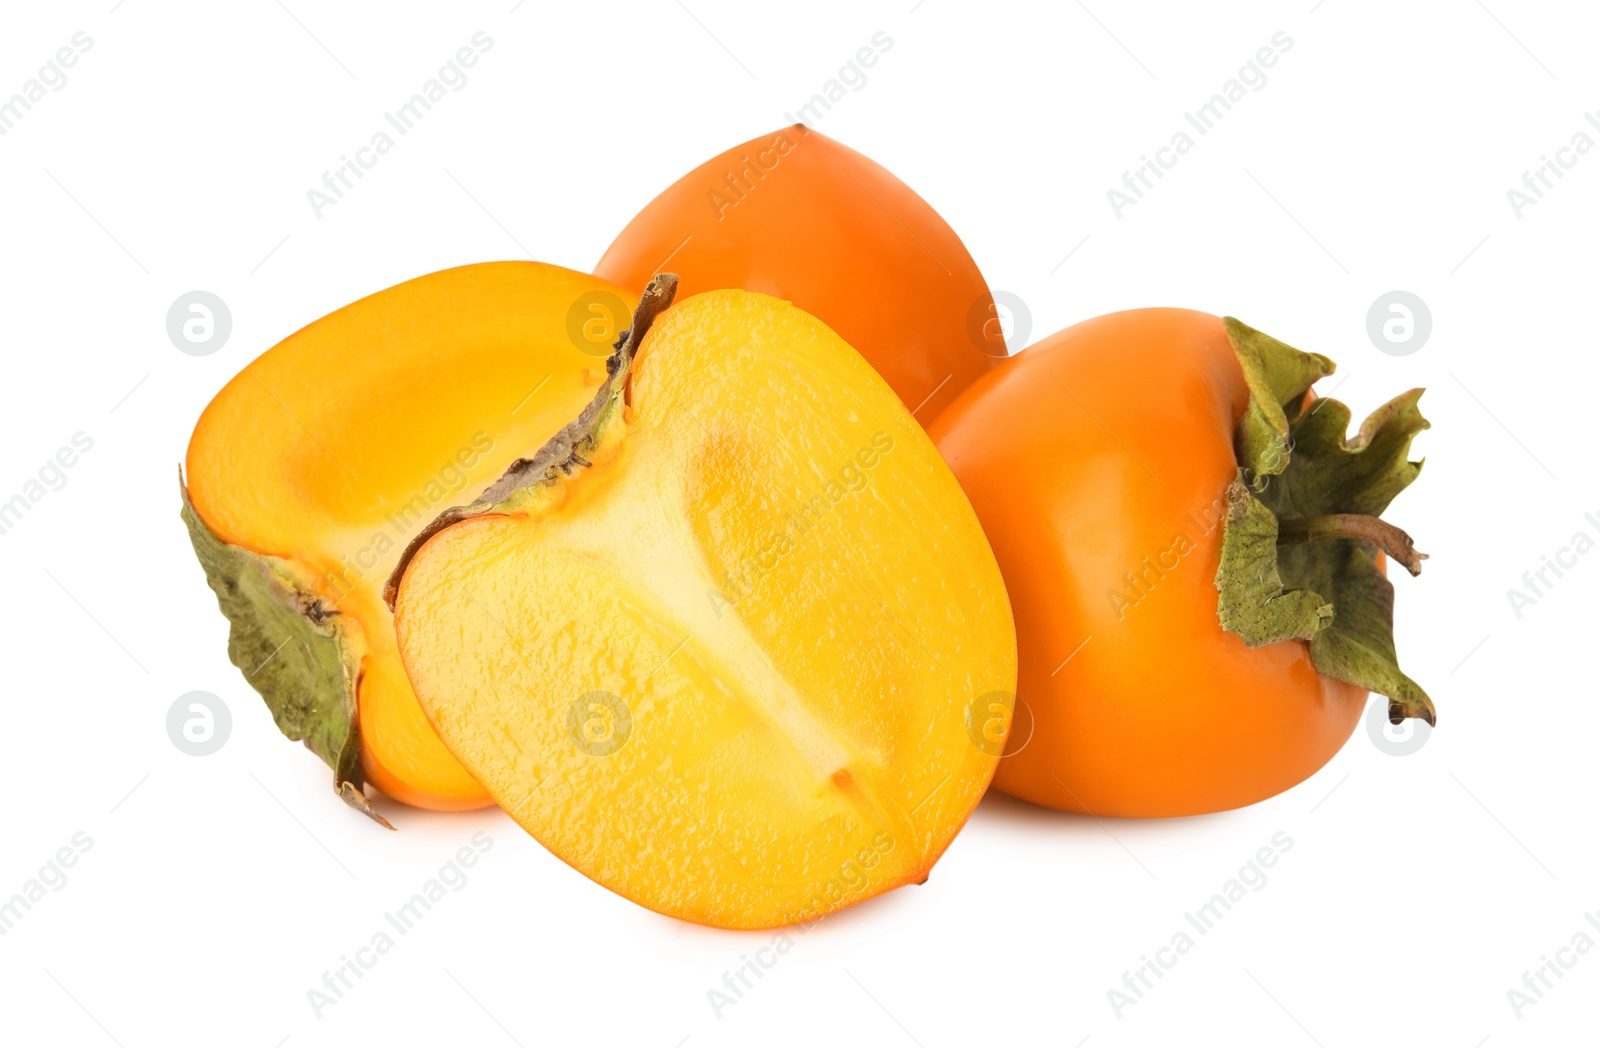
{"points": [[727, 667], [330, 451]]}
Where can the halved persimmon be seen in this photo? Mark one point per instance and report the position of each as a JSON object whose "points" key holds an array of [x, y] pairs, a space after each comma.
{"points": [[729, 644], [312, 469], [796, 215]]}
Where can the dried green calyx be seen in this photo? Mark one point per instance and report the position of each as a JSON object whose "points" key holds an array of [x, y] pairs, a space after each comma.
{"points": [[1303, 533], [297, 653]]}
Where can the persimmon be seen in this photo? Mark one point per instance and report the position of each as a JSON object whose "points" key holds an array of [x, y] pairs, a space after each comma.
{"points": [[312, 469], [720, 645], [796, 215], [1194, 555]]}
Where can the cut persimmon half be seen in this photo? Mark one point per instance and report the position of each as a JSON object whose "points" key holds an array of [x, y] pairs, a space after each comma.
{"points": [[313, 468], [732, 644]]}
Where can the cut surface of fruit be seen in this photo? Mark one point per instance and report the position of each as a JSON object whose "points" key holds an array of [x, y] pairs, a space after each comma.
{"points": [[728, 666], [312, 469], [799, 216]]}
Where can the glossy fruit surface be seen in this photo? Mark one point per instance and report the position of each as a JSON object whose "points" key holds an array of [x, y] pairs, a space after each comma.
{"points": [[798, 216], [720, 650], [1103, 462], [312, 469]]}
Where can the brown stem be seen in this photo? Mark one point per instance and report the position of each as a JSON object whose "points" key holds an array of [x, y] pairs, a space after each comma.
{"points": [[1358, 526]]}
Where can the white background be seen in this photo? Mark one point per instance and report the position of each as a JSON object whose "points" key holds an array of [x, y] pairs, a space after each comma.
{"points": [[218, 890]]}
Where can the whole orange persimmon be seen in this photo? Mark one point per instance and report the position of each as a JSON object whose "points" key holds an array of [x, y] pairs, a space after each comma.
{"points": [[797, 216], [1194, 555]]}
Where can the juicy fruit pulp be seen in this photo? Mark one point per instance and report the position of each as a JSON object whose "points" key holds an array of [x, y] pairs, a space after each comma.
{"points": [[1105, 464], [314, 466], [796, 215], [724, 668]]}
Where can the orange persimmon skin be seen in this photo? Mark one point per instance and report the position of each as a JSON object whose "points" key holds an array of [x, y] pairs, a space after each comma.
{"points": [[805, 219], [1097, 461]]}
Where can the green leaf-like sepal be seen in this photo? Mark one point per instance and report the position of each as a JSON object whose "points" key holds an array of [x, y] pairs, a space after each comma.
{"points": [[292, 649], [1255, 604], [1277, 376], [1302, 538]]}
